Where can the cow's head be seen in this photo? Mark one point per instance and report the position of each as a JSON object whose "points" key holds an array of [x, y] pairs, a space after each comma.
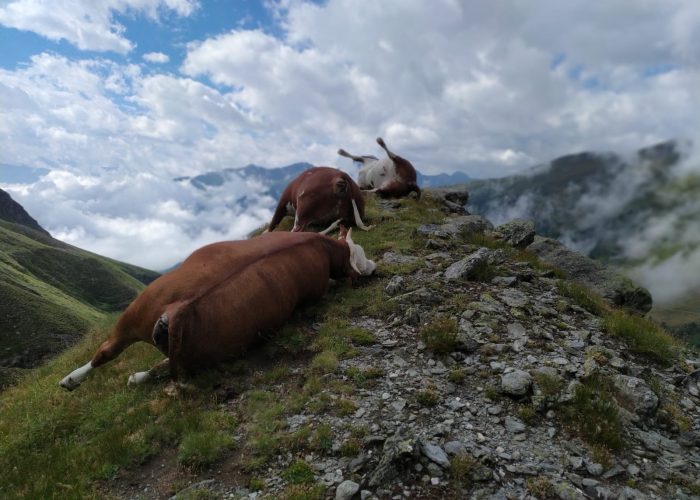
{"points": [[358, 261]]}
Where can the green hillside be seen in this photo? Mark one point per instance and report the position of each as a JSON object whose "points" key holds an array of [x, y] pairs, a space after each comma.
{"points": [[304, 397], [51, 293], [637, 213]]}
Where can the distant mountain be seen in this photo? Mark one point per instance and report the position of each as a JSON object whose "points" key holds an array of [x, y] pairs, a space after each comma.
{"points": [[640, 212], [274, 180], [51, 292], [11, 211], [440, 180]]}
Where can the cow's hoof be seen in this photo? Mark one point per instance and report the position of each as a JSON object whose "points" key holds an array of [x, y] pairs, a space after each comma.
{"points": [[69, 383], [137, 378]]}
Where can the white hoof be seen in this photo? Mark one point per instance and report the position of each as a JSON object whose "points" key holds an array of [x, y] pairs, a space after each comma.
{"points": [[69, 383], [137, 378], [74, 378]]}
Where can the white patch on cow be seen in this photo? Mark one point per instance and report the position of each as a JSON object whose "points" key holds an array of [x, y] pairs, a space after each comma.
{"points": [[75, 378], [358, 261], [138, 378], [378, 173]]}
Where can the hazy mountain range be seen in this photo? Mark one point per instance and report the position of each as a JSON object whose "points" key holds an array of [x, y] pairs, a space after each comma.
{"points": [[639, 212]]}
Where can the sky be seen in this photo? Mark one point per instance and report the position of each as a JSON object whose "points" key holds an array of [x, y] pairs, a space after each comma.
{"points": [[103, 103]]}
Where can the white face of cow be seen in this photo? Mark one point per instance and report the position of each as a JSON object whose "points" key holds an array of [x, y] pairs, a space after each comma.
{"points": [[358, 261]]}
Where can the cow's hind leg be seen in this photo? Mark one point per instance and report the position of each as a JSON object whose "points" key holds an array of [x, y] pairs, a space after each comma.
{"points": [[160, 369], [108, 350]]}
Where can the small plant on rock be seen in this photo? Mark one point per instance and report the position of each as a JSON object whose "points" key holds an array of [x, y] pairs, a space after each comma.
{"points": [[299, 472], [440, 336]]}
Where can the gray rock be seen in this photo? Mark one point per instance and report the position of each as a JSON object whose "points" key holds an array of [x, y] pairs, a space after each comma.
{"points": [[465, 268], [611, 285], [432, 231], [436, 454], [455, 448], [517, 233], [399, 448], [206, 485], [395, 285], [514, 425], [346, 490], [397, 258], [516, 383], [466, 225], [513, 298], [628, 493], [458, 196], [635, 395]]}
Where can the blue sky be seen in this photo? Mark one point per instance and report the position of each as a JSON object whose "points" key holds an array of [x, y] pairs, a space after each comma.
{"points": [[103, 103]]}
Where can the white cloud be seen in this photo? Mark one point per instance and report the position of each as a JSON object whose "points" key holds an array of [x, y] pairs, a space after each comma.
{"points": [[156, 57], [87, 24], [451, 85]]}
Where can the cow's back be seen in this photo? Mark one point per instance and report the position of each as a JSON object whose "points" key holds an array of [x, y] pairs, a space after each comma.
{"points": [[227, 318]]}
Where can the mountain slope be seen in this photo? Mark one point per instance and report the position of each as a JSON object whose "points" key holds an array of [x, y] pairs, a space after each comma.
{"points": [[51, 292], [502, 382], [640, 213]]}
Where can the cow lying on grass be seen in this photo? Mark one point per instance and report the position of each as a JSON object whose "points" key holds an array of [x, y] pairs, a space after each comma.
{"points": [[321, 195], [215, 304], [390, 177]]}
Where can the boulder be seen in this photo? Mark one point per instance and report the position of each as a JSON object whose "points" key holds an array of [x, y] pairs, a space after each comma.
{"points": [[517, 233], [609, 284], [465, 268]]}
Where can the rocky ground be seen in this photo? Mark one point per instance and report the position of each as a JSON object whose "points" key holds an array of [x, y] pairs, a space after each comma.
{"points": [[486, 381]]}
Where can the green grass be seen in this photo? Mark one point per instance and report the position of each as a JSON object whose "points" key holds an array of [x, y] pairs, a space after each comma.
{"points": [[593, 415], [299, 472], [644, 336], [583, 297], [440, 335], [52, 293], [51, 437]]}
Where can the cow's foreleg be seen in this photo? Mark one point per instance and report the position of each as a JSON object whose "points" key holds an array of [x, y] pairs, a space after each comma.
{"points": [[344, 153], [75, 378], [358, 219], [161, 368], [391, 155], [331, 227]]}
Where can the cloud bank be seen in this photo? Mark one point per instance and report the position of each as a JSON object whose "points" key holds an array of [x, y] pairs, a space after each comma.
{"points": [[482, 87]]}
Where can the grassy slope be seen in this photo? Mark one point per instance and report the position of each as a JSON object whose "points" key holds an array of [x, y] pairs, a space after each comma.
{"points": [[50, 292], [55, 444]]}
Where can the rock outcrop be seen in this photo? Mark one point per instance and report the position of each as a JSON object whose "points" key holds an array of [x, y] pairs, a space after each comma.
{"points": [[494, 386]]}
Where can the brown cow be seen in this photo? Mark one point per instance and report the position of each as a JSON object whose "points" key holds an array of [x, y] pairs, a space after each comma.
{"points": [[215, 304], [322, 195], [391, 177]]}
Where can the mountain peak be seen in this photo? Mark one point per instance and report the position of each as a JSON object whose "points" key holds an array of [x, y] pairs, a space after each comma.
{"points": [[12, 211]]}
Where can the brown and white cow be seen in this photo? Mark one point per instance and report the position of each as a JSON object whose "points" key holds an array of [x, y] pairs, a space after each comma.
{"points": [[321, 195], [390, 177], [215, 305]]}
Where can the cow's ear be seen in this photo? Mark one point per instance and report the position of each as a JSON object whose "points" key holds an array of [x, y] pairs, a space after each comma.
{"points": [[343, 232]]}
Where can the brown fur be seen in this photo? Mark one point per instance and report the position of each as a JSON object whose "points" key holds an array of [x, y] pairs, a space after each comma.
{"points": [[320, 195], [224, 295]]}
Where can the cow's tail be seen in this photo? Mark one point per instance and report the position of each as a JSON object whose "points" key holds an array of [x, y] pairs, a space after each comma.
{"points": [[179, 319], [280, 212]]}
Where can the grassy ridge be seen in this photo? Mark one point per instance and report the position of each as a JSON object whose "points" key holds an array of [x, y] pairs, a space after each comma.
{"points": [[55, 444], [51, 292]]}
